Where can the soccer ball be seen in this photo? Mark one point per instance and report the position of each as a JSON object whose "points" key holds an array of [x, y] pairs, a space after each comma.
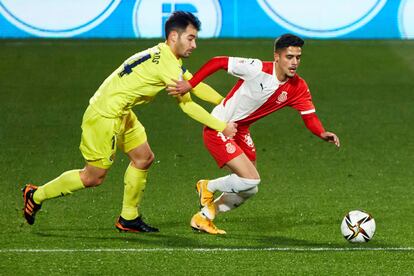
{"points": [[358, 226]]}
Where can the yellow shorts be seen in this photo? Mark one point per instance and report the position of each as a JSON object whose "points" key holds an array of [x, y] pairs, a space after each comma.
{"points": [[101, 136]]}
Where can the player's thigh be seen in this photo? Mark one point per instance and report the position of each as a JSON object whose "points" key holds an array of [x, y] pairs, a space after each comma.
{"points": [[245, 142], [98, 140], [132, 133], [243, 167], [221, 148]]}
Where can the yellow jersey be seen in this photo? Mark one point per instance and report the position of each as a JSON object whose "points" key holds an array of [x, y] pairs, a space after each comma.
{"points": [[139, 79]]}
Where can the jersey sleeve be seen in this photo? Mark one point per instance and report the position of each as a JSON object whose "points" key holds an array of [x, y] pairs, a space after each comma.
{"points": [[313, 124], [211, 66], [303, 103], [244, 68], [199, 114], [204, 91]]}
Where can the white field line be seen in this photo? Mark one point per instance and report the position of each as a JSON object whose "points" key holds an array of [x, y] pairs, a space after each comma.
{"points": [[143, 250]]}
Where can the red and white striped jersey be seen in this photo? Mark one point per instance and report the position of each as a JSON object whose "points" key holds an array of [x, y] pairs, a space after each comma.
{"points": [[259, 93]]}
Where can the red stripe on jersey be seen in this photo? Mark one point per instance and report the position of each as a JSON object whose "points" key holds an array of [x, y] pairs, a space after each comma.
{"points": [[268, 67], [209, 68], [296, 96]]}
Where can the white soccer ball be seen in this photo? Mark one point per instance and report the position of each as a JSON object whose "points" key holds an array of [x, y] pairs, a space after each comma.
{"points": [[358, 226]]}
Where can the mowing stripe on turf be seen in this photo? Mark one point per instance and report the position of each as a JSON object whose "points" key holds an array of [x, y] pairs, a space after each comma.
{"points": [[294, 249]]}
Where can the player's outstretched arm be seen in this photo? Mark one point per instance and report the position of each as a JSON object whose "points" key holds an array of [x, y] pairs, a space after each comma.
{"points": [[315, 126], [199, 114], [207, 93], [211, 66]]}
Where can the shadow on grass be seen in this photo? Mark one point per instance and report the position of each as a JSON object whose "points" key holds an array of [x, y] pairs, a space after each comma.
{"points": [[191, 241], [247, 232]]}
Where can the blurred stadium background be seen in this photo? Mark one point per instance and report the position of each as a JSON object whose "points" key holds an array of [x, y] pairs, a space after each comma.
{"points": [[358, 61], [226, 18]]}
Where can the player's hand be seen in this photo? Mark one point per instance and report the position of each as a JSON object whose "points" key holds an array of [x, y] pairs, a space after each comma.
{"points": [[331, 138], [230, 130], [179, 88]]}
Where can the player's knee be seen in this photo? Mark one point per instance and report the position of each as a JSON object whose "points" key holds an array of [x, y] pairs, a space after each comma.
{"points": [[249, 193], [145, 161], [151, 158], [148, 159], [92, 181], [253, 175], [246, 184]]}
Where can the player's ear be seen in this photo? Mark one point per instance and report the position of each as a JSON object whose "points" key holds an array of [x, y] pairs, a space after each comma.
{"points": [[276, 56], [173, 36]]}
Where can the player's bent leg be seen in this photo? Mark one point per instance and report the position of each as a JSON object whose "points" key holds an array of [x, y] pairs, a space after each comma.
{"points": [[244, 180], [243, 167], [229, 201], [135, 180], [245, 177], [33, 196], [92, 176], [141, 156]]}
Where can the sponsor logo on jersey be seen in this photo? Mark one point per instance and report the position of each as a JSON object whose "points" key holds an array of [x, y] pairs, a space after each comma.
{"points": [[282, 97], [57, 18], [149, 16], [406, 19], [230, 148], [322, 18]]}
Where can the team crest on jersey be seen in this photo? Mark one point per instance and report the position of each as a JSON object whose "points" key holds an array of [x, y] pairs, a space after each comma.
{"points": [[282, 97], [230, 148]]}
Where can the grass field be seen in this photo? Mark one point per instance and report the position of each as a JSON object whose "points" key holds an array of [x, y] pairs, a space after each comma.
{"points": [[363, 91]]}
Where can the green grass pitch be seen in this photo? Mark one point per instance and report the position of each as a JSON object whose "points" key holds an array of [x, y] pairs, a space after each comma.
{"points": [[363, 91]]}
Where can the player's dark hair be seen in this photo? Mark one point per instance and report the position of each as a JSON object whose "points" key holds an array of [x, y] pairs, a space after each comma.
{"points": [[179, 20], [287, 40]]}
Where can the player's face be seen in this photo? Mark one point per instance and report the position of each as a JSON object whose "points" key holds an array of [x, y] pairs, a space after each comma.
{"points": [[186, 42], [287, 62]]}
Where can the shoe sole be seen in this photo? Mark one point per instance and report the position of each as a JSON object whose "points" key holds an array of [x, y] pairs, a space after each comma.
{"points": [[195, 229], [124, 229], [198, 229], [131, 230]]}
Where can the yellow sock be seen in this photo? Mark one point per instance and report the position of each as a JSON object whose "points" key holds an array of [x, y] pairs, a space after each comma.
{"points": [[134, 186], [66, 183]]}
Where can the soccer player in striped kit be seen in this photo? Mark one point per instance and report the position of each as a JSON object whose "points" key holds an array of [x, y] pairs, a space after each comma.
{"points": [[263, 88]]}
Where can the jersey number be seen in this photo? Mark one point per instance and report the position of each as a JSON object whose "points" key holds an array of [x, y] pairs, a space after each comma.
{"points": [[129, 66]]}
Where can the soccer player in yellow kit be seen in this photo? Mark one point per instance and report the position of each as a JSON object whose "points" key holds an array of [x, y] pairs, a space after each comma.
{"points": [[109, 122]]}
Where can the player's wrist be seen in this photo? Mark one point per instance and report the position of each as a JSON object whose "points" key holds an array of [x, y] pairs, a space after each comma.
{"points": [[193, 82]]}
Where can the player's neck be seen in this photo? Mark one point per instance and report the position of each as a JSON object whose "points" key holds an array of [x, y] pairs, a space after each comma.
{"points": [[172, 48], [280, 76]]}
